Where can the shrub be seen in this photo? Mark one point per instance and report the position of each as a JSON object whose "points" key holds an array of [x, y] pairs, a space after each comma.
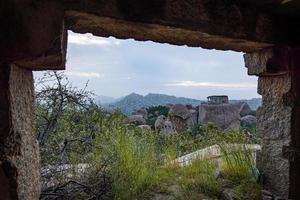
{"points": [[154, 112]]}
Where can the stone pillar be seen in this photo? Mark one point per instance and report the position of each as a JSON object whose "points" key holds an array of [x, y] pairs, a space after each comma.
{"points": [[278, 118], [19, 153]]}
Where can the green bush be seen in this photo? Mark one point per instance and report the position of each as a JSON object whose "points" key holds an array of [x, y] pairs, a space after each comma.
{"points": [[154, 112]]}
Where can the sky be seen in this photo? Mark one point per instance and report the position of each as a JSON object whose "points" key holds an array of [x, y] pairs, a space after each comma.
{"points": [[117, 68]]}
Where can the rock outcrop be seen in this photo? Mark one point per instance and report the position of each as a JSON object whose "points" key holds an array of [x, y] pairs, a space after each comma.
{"points": [[142, 111], [144, 128], [225, 116], [135, 119], [160, 122], [164, 126], [244, 108], [182, 117], [248, 120]]}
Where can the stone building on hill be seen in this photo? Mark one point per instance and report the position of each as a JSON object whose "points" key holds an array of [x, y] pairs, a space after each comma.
{"points": [[217, 99]]}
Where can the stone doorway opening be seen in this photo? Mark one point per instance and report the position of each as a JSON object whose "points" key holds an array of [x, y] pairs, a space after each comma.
{"points": [[35, 39], [82, 62]]}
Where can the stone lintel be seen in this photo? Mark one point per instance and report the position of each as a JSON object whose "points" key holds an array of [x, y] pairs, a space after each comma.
{"points": [[33, 35], [82, 22], [248, 26]]}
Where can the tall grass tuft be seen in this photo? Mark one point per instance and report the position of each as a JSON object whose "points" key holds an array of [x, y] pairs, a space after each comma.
{"points": [[135, 170], [200, 177], [238, 162]]}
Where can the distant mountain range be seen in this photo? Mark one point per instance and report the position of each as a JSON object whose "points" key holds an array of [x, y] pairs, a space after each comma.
{"points": [[103, 100], [135, 101]]}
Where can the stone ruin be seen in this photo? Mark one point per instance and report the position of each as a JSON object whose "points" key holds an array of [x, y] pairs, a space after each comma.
{"points": [[225, 116], [217, 99], [216, 110], [34, 37]]}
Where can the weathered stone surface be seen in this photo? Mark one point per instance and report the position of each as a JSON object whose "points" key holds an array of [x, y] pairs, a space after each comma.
{"points": [[142, 112], [256, 62], [193, 120], [244, 108], [278, 119], [168, 128], [34, 34], [182, 118], [180, 110], [160, 123], [104, 26], [274, 127], [145, 128], [218, 20], [164, 126], [19, 153], [135, 119], [215, 153], [268, 62], [248, 120], [224, 116]]}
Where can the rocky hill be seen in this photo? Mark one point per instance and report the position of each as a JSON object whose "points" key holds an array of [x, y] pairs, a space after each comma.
{"points": [[135, 101]]}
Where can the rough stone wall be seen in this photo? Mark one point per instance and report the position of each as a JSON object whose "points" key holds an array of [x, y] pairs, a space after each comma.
{"points": [[274, 116], [274, 127], [19, 153]]}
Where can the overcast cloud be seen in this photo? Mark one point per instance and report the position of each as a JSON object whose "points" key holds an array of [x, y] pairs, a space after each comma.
{"points": [[118, 67]]}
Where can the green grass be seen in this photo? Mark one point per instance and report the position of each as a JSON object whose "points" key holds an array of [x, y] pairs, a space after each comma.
{"points": [[248, 189], [238, 162], [199, 177], [136, 161], [238, 168], [135, 172]]}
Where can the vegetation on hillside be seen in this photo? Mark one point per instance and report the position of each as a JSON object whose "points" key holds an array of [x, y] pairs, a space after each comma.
{"points": [[87, 153], [154, 112]]}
